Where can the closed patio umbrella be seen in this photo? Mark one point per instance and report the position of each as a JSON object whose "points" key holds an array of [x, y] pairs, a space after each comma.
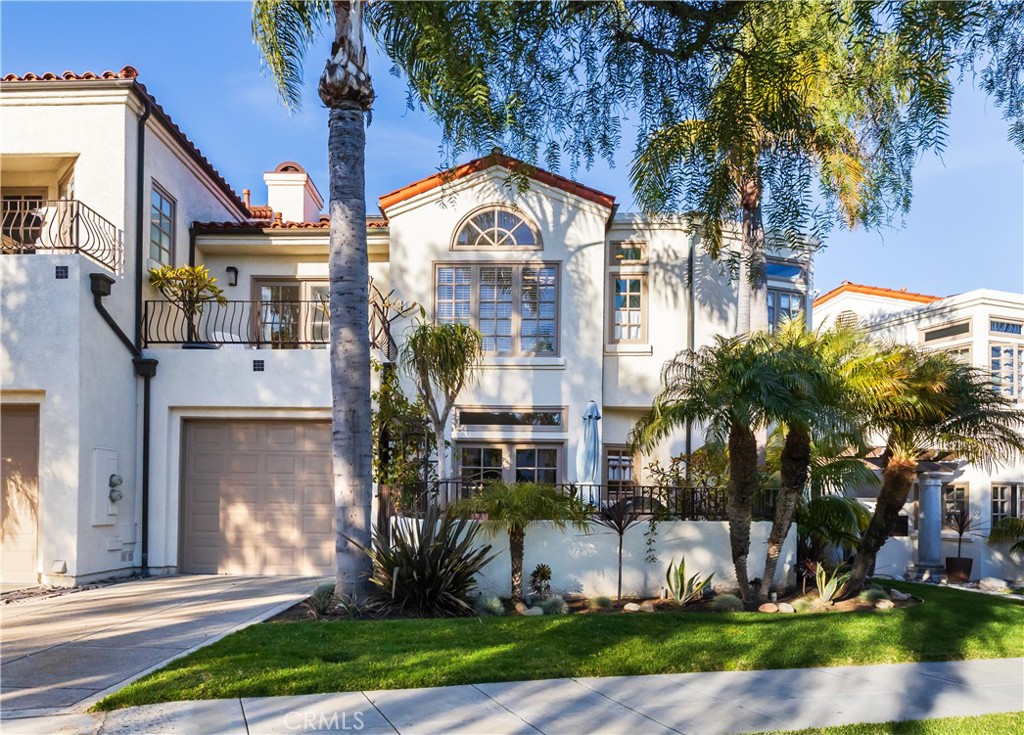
{"points": [[588, 455]]}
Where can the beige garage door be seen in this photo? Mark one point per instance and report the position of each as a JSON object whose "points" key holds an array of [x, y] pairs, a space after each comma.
{"points": [[19, 497], [258, 498]]}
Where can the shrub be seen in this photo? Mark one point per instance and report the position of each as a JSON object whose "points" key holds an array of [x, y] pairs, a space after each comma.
{"points": [[351, 606], [490, 606], [554, 605], [602, 603], [682, 589], [540, 580], [429, 569], [727, 603], [830, 585], [809, 605], [872, 596], [322, 601]]}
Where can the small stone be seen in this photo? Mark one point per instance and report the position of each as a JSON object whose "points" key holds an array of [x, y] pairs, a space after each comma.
{"points": [[785, 607], [531, 612], [647, 606], [768, 607], [899, 578], [885, 605], [899, 596], [631, 607], [993, 584], [520, 607]]}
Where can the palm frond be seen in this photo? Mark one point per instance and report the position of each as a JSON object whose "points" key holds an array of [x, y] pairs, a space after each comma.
{"points": [[283, 31]]}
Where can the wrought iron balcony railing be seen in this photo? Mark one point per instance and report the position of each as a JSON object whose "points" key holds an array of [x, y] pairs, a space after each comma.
{"points": [[255, 324], [59, 225]]}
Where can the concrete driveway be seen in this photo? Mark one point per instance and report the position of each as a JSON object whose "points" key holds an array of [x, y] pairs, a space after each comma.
{"points": [[63, 653]]}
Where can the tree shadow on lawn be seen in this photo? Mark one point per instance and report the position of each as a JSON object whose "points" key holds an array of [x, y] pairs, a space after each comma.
{"points": [[306, 658]]}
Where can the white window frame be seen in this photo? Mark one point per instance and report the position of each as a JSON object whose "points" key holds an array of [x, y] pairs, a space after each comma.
{"points": [[1015, 373], [508, 449], [496, 209], [166, 254]]}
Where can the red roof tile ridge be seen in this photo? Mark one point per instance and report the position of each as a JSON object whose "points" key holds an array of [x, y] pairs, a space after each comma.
{"points": [[860, 288]]}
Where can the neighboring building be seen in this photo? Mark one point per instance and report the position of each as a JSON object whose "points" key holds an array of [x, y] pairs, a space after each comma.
{"points": [[223, 455], [984, 328]]}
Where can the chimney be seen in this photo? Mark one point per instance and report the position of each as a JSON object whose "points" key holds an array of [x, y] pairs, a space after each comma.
{"points": [[291, 193]]}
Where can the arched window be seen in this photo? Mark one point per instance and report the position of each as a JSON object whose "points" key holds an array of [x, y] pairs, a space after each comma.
{"points": [[496, 227]]}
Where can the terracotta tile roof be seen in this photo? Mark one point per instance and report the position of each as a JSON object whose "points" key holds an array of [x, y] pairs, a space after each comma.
{"points": [[496, 158], [259, 225], [129, 73], [889, 293]]}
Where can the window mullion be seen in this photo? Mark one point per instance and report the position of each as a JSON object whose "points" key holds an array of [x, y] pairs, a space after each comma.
{"points": [[517, 309]]}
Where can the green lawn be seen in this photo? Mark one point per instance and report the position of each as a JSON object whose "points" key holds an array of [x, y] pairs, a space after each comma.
{"points": [[1011, 723], [306, 658]]}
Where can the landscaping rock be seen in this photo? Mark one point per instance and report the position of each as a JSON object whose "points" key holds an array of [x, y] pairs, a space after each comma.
{"points": [[521, 607], [993, 584], [768, 607], [631, 607], [647, 606], [785, 607], [885, 605], [899, 596], [532, 611]]}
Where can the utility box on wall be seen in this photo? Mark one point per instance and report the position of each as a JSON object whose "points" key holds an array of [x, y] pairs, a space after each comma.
{"points": [[106, 476]]}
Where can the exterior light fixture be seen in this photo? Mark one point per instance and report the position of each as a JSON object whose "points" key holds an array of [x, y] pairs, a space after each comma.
{"points": [[232, 275]]}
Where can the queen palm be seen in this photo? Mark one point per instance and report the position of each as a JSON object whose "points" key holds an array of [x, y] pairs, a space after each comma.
{"points": [[283, 30], [943, 407]]}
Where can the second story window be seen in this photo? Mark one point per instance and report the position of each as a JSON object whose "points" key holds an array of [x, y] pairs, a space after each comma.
{"points": [[161, 226], [514, 306], [783, 305], [629, 308], [1007, 367], [497, 228]]}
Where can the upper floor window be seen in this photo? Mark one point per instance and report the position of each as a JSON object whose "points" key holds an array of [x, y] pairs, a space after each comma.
{"points": [[629, 308], [947, 332], [514, 306], [1007, 366], [1002, 326], [497, 228], [784, 271], [161, 226], [783, 305], [627, 252]]}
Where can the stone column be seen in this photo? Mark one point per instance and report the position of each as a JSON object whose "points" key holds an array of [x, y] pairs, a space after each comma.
{"points": [[929, 535]]}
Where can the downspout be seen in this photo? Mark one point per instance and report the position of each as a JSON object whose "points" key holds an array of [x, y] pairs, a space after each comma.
{"points": [[192, 245], [145, 367], [691, 339]]}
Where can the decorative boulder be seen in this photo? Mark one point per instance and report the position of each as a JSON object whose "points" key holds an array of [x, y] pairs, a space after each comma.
{"points": [[521, 607], [885, 605], [785, 607], [531, 612], [768, 607], [993, 584], [647, 606], [899, 596], [631, 607]]}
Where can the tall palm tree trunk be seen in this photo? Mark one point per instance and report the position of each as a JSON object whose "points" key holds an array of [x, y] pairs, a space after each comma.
{"points": [[516, 542], [897, 481], [346, 89], [743, 483], [796, 462], [752, 306]]}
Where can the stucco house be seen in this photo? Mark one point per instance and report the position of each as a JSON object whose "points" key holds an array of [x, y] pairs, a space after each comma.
{"points": [[984, 328], [123, 452]]}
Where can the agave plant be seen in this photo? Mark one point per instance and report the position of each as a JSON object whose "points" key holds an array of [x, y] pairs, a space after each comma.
{"points": [[830, 585], [684, 590], [429, 569]]}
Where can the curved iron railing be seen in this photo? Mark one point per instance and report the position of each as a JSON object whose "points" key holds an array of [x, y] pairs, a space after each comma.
{"points": [[59, 225]]}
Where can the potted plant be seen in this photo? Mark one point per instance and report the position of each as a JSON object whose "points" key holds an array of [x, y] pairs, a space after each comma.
{"points": [[958, 568], [188, 288]]}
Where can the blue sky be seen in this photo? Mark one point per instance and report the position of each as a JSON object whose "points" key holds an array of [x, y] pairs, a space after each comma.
{"points": [[965, 230]]}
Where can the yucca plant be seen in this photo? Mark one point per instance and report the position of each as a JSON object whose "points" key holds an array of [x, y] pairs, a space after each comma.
{"points": [[684, 590], [429, 569], [830, 585]]}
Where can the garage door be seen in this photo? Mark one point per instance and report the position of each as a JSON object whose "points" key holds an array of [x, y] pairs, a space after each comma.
{"points": [[258, 498], [19, 497]]}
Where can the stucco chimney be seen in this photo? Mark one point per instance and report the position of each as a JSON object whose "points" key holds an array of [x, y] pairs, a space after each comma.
{"points": [[292, 193]]}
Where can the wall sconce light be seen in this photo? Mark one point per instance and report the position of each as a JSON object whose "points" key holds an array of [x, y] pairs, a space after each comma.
{"points": [[232, 275]]}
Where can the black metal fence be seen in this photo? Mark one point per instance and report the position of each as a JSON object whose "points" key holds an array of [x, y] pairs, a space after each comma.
{"points": [[687, 503], [61, 225]]}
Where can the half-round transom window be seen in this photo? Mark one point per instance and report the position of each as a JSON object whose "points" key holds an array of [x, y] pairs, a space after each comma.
{"points": [[497, 228]]}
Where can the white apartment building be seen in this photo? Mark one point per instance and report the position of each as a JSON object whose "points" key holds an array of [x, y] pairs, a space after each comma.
{"points": [[123, 451], [984, 328]]}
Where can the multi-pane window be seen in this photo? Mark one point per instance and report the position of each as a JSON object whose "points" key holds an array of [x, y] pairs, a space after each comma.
{"points": [[955, 502], [497, 228], [1007, 366], [510, 462], [961, 354], [161, 226], [628, 252], [628, 308], [619, 471], [515, 307], [1007, 502], [783, 305], [293, 313]]}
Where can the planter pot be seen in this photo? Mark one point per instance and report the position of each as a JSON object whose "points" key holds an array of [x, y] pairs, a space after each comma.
{"points": [[958, 569], [199, 346]]}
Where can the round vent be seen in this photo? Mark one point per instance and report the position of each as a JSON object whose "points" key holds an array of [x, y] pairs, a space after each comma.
{"points": [[847, 319]]}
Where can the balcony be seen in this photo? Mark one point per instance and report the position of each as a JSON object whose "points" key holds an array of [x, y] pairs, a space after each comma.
{"points": [[30, 226], [279, 325]]}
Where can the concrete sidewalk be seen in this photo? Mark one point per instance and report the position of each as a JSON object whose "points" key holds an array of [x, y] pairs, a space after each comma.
{"points": [[706, 703], [60, 654]]}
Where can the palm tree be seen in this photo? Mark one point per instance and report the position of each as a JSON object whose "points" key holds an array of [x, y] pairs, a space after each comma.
{"points": [[733, 388], [283, 30], [442, 359], [945, 407], [1009, 530], [511, 507]]}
